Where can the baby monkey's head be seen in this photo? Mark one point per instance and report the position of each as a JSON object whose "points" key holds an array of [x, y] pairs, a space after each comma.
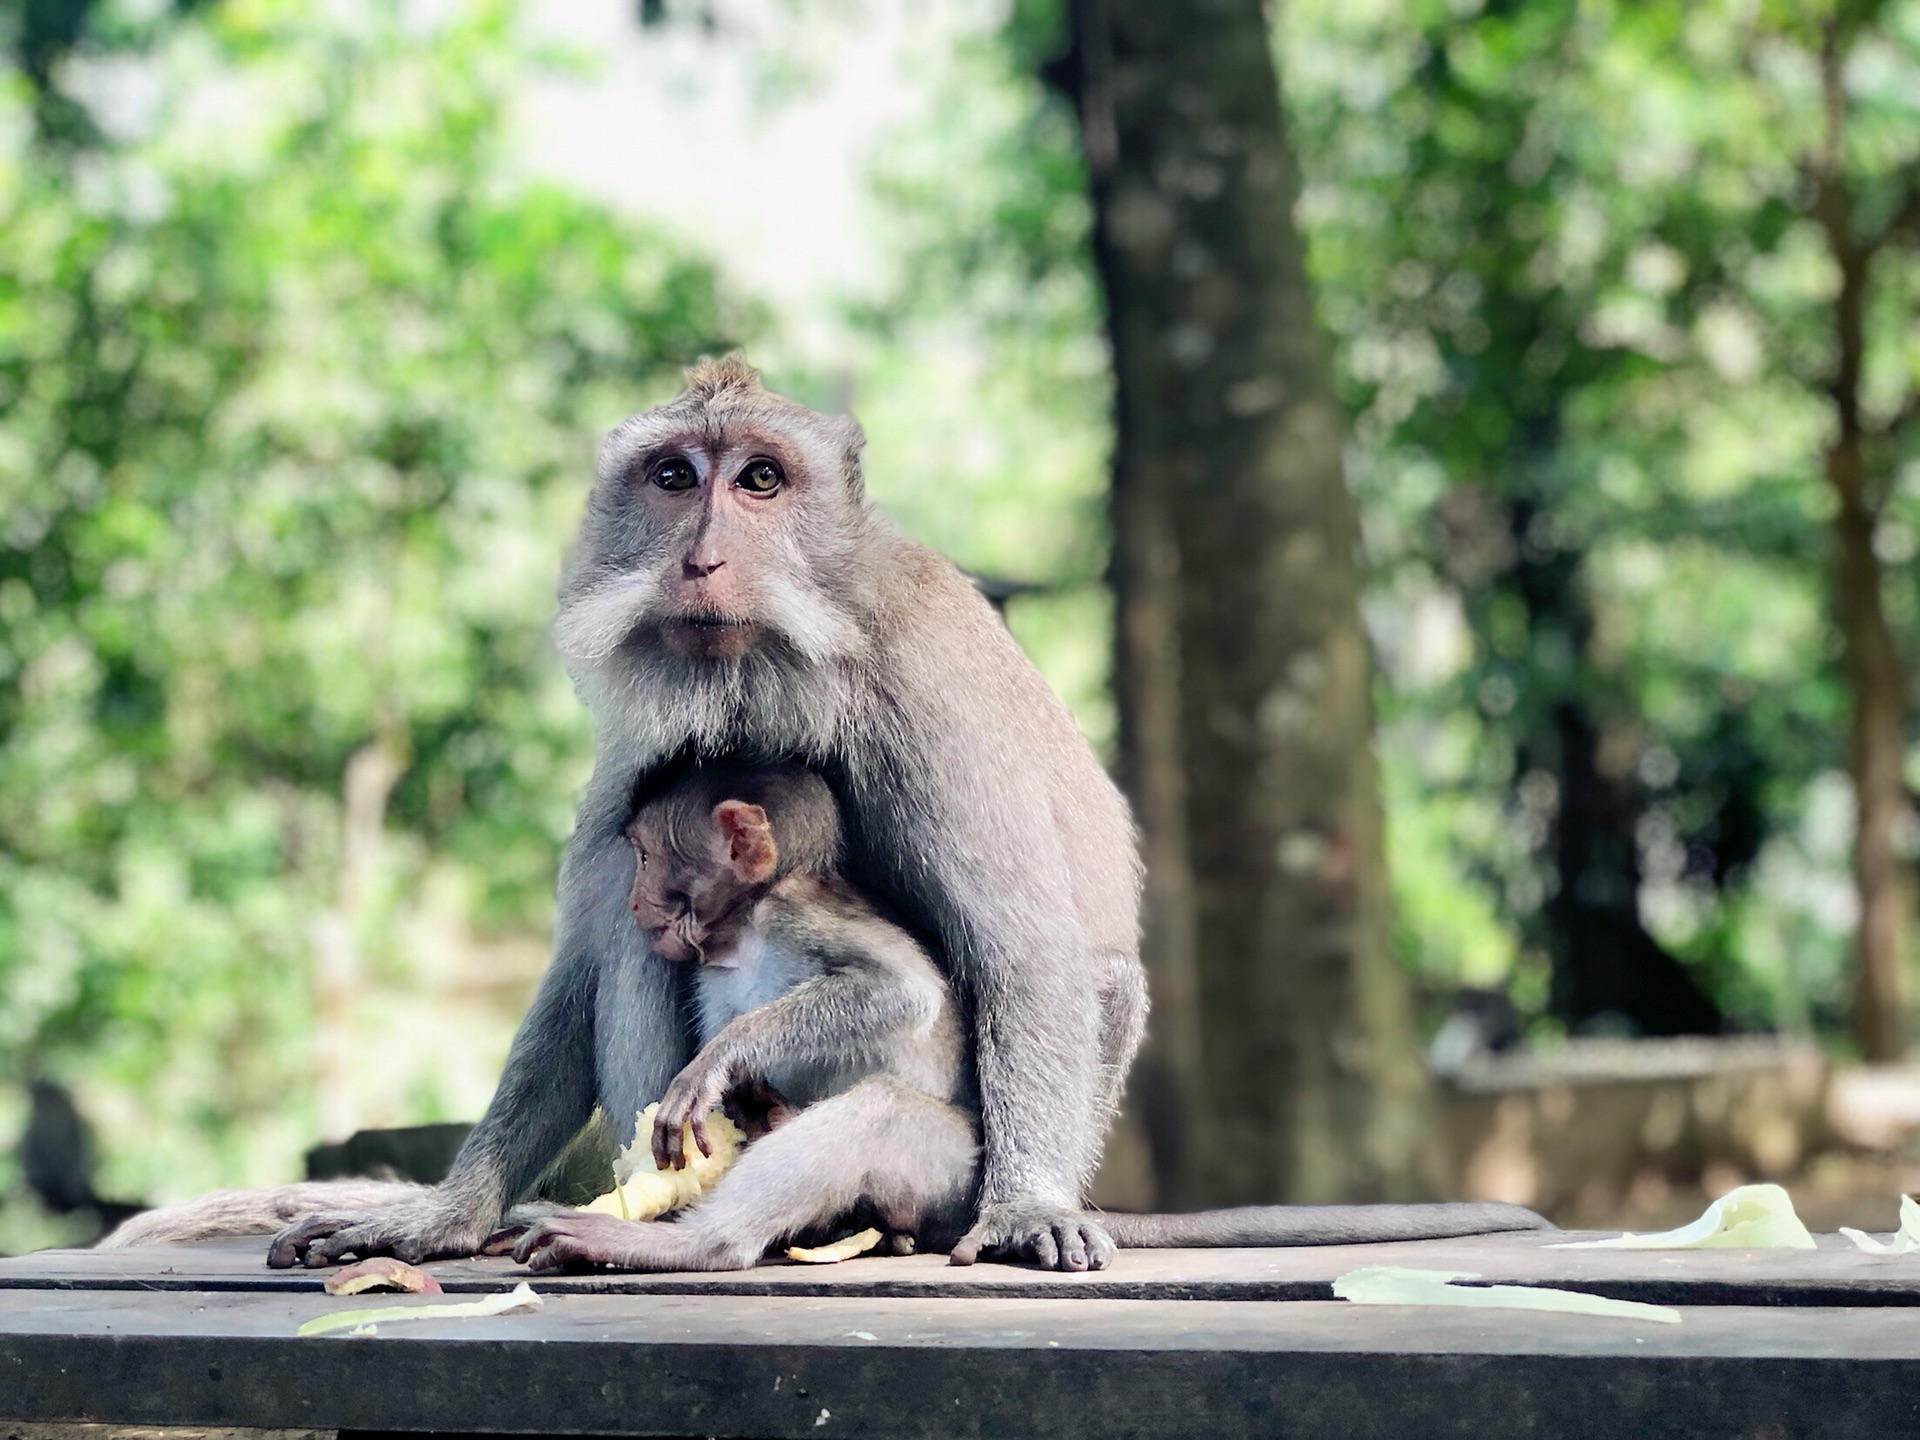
{"points": [[709, 845]]}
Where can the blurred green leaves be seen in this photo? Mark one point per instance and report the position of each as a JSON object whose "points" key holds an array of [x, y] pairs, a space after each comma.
{"points": [[1570, 252], [299, 388], [298, 399]]}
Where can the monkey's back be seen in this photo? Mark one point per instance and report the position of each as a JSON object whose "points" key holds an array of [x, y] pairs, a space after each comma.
{"points": [[949, 641]]}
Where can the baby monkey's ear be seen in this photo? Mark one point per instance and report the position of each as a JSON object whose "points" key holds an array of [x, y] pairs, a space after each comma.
{"points": [[749, 839]]}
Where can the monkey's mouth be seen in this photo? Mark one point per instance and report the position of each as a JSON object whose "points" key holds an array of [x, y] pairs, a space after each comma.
{"points": [[674, 943], [712, 622], [711, 635]]}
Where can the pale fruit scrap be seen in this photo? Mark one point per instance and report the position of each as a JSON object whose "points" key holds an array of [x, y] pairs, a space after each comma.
{"points": [[382, 1272], [840, 1249], [1397, 1285], [364, 1322], [1750, 1217], [1905, 1240], [643, 1191]]}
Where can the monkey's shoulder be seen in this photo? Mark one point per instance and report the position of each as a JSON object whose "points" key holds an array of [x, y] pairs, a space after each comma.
{"points": [[926, 601], [827, 917]]}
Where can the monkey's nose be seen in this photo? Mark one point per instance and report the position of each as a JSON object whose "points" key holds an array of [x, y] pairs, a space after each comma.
{"points": [[698, 567]]}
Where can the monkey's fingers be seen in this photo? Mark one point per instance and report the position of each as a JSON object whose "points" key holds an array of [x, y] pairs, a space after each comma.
{"points": [[310, 1242], [669, 1140], [1100, 1246], [1072, 1244], [554, 1256], [536, 1238], [289, 1247], [1051, 1239], [573, 1242], [699, 1123], [504, 1240], [360, 1241], [662, 1143], [552, 1252]]}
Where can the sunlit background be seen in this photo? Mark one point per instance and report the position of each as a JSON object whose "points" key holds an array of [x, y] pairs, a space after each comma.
{"points": [[311, 317]]}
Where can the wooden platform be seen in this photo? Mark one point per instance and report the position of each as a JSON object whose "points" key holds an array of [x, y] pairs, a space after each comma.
{"points": [[1167, 1343]]}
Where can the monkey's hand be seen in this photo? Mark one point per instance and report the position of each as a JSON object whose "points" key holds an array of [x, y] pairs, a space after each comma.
{"points": [[694, 1091], [1050, 1236], [575, 1240], [431, 1228]]}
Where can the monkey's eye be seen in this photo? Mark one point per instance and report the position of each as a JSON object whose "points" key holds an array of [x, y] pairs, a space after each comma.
{"points": [[761, 477], [676, 473]]}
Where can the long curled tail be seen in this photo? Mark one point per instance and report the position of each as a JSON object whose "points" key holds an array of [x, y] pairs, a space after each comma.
{"points": [[1261, 1225], [255, 1212]]}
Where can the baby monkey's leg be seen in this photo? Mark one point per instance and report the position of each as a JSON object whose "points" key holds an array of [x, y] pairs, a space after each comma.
{"points": [[907, 1156]]}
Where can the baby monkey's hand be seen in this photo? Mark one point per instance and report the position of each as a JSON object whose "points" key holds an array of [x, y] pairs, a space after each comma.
{"points": [[694, 1091]]}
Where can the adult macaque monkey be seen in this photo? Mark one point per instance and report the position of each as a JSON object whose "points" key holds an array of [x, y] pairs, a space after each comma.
{"points": [[816, 1005], [733, 593]]}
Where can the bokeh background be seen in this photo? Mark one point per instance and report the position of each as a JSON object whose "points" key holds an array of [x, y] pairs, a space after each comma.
{"points": [[1572, 349]]}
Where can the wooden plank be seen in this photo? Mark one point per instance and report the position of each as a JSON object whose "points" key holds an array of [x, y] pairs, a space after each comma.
{"points": [[930, 1367], [1835, 1274]]}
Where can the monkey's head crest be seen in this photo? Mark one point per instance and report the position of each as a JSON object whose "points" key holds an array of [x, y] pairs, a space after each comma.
{"points": [[707, 377]]}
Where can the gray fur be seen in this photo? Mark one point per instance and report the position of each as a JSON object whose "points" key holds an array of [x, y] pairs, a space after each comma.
{"points": [[254, 1212], [823, 992], [802, 984], [1318, 1225], [880, 1147], [819, 994], [976, 810]]}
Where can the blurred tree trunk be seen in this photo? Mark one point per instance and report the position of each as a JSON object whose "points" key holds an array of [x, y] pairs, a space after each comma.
{"points": [[1243, 668], [1166, 1085], [1870, 656], [1607, 967]]}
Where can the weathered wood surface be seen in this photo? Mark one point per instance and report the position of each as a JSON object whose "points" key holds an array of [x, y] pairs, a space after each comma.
{"points": [[197, 1336], [1835, 1274]]}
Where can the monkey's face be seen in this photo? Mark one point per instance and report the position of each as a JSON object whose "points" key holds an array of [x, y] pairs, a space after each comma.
{"points": [[719, 524], [727, 510], [692, 894]]}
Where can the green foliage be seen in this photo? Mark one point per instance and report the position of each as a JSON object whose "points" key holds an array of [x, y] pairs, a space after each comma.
{"points": [[298, 400], [1570, 254], [986, 401], [299, 390]]}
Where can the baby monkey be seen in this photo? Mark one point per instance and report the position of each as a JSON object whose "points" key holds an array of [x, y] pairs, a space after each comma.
{"points": [[830, 1032], [825, 1028]]}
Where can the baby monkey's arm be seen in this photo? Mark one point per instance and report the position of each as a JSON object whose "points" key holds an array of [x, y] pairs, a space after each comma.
{"points": [[878, 993]]}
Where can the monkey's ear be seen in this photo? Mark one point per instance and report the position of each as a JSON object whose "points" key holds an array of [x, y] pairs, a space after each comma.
{"points": [[852, 441], [749, 839]]}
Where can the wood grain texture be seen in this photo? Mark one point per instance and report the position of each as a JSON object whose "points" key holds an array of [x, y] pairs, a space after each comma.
{"points": [[1777, 1342]]}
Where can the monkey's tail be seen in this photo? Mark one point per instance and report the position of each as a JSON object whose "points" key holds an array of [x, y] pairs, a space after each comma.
{"points": [[1258, 1225], [255, 1212]]}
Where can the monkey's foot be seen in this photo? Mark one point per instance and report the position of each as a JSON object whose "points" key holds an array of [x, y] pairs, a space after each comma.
{"points": [[1050, 1236], [415, 1231], [579, 1240]]}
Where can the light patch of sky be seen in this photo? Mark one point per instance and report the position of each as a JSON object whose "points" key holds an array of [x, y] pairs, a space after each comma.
{"points": [[753, 140]]}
